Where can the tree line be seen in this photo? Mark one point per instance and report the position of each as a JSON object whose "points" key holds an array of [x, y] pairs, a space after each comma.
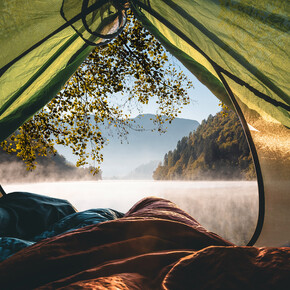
{"points": [[52, 167], [217, 150]]}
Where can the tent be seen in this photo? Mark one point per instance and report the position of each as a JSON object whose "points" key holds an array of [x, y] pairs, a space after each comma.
{"points": [[238, 48]]}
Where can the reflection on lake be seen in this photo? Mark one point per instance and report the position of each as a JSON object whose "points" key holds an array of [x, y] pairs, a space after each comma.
{"points": [[228, 208]]}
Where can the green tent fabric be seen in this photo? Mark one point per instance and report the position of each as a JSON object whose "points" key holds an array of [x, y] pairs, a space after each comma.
{"points": [[242, 47], [42, 44], [238, 48], [243, 40]]}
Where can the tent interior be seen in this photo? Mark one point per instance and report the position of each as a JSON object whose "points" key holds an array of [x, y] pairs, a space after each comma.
{"points": [[239, 49]]}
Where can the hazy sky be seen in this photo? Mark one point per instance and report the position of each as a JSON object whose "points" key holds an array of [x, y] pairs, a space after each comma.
{"points": [[203, 104], [203, 101]]}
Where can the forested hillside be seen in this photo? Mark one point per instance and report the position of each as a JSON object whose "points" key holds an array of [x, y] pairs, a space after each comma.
{"points": [[49, 168], [216, 150]]}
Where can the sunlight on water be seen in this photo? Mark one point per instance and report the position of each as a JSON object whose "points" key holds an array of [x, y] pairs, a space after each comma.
{"points": [[228, 208]]}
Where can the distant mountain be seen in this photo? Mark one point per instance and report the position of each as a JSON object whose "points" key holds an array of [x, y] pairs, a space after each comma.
{"points": [[143, 172], [216, 150], [52, 168], [121, 156]]}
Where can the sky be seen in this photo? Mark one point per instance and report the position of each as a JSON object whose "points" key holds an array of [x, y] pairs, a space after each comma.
{"points": [[203, 101], [202, 105]]}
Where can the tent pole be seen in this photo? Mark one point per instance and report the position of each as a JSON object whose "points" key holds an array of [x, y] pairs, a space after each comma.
{"points": [[261, 213]]}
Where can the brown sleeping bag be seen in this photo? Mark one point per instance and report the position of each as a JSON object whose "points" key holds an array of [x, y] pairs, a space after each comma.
{"points": [[155, 246]]}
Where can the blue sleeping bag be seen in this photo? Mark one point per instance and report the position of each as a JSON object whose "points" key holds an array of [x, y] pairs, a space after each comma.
{"points": [[26, 218]]}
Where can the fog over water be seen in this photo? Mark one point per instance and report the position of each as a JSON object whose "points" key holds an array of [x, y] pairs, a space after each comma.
{"points": [[228, 208]]}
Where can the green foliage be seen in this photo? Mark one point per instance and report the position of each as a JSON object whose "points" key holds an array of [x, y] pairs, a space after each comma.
{"points": [[216, 150], [225, 108], [132, 69]]}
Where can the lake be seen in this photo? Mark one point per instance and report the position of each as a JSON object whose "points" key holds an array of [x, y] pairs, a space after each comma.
{"points": [[228, 208]]}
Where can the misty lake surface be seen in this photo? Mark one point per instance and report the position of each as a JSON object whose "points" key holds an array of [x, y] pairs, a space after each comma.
{"points": [[228, 208]]}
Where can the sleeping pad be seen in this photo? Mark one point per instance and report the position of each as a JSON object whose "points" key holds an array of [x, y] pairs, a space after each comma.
{"points": [[155, 245]]}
